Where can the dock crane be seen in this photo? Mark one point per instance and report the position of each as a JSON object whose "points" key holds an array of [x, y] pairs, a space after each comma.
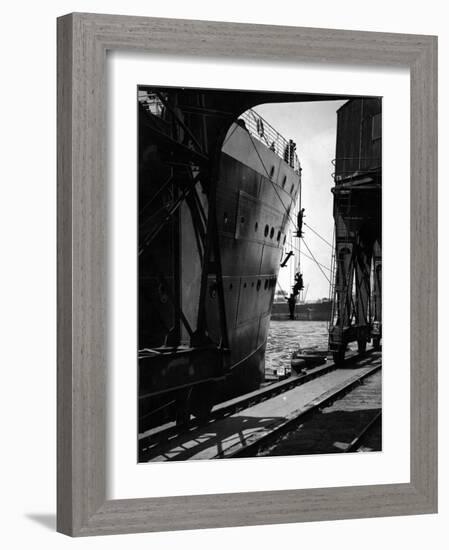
{"points": [[356, 281]]}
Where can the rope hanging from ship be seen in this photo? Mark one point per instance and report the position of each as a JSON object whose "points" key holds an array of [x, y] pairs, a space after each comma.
{"points": [[299, 283]]}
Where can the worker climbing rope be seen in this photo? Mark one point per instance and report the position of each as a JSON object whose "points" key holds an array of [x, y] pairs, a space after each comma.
{"points": [[288, 155], [300, 222], [299, 284], [291, 300]]}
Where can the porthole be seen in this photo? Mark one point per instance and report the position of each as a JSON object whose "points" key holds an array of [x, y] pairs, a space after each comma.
{"points": [[266, 231], [244, 285], [213, 290], [163, 296], [278, 238], [230, 286], [258, 285], [225, 218], [285, 238], [284, 181], [256, 226], [291, 188], [242, 219], [272, 172], [271, 232], [252, 284], [266, 284]]}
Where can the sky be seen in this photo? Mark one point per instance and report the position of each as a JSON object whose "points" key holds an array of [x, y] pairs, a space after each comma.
{"points": [[312, 126]]}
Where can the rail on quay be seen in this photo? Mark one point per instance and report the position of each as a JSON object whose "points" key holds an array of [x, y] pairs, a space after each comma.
{"points": [[237, 426]]}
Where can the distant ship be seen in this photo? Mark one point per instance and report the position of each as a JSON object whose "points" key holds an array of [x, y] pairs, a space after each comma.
{"points": [[210, 245], [320, 310]]}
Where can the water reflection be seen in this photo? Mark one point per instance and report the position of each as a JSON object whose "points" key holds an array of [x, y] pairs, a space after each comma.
{"points": [[284, 337]]}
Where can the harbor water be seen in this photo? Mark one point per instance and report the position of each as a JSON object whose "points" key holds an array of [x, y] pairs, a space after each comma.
{"points": [[285, 337]]}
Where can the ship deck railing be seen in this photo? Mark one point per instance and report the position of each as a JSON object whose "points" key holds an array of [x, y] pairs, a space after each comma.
{"points": [[256, 125], [262, 130]]}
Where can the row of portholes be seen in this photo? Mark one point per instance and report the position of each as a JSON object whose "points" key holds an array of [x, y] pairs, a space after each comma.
{"points": [[284, 181], [267, 230], [269, 283]]}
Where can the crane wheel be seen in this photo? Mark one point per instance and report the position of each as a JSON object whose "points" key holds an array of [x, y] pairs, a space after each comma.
{"points": [[339, 357], [361, 345]]}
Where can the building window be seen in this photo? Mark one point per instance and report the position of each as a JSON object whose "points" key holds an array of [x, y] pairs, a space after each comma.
{"points": [[376, 127]]}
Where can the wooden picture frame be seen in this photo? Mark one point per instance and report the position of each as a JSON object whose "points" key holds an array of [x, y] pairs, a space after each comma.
{"points": [[83, 40]]}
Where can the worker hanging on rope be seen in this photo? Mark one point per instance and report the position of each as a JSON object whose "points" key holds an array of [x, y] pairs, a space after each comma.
{"points": [[299, 284], [291, 300], [300, 222]]}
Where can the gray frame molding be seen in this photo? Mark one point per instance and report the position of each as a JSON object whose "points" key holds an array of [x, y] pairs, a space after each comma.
{"points": [[83, 40]]}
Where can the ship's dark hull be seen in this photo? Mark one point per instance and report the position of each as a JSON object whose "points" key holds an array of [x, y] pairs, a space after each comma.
{"points": [[254, 195]]}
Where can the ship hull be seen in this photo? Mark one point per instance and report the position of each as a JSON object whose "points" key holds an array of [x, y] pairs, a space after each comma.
{"points": [[255, 193]]}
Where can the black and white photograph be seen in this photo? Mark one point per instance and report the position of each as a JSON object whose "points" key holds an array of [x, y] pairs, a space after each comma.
{"points": [[259, 274], [220, 301]]}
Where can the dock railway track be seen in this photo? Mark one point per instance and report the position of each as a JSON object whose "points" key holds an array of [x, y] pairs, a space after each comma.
{"points": [[358, 442], [349, 421], [250, 424]]}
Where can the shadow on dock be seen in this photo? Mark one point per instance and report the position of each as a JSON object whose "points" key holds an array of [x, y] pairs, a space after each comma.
{"points": [[208, 442], [327, 432]]}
